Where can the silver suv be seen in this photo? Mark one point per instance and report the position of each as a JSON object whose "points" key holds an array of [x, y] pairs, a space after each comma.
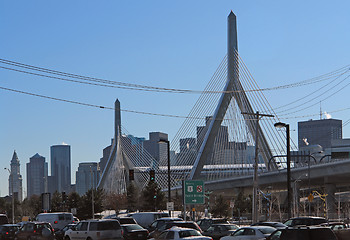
{"points": [[95, 230]]}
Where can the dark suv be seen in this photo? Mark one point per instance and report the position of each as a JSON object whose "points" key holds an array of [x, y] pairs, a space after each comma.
{"points": [[7, 231], [35, 231], [205, 223], [303, 233]]}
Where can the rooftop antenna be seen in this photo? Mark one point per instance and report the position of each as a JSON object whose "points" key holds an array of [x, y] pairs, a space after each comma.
{"points": [[320, 110]]}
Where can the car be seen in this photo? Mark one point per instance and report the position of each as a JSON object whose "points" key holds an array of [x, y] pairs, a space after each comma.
{"points": [[35, 231], [277, 225], [95, 229], [303, 233], [335, 225], [218, 230], [3, 219], [160, 222], [125, 220], [134, 232], [145, 219], [57, 219], [178, 233], [305, 221], [251, 233], [59, 234], [205, 223], [7, 231], [185, 224]]}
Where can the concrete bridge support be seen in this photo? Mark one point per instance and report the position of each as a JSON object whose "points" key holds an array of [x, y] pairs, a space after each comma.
{"points": [[330, 199]]}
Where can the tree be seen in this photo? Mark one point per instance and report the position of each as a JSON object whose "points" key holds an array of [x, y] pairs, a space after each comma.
{"points": [[132, 197], [115, 201], [84, 210], [221, 207], [73, 201], [56, 202], [153, 197], [31, 206], [243, 204]]}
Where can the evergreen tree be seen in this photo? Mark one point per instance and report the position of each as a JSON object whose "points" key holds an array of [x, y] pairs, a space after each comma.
{"points": [[73, 201], [131, 197], [221, 207], [153, 198], [243, 204], [84, 210], [56, 202]]}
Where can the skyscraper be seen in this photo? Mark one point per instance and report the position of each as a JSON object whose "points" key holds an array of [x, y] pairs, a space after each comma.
{"points": [[87, 177], [157, 149], [15, 178], [36, 175], [319, 132], [60, 168]]}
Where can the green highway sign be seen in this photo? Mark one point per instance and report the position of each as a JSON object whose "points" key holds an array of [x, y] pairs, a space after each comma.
{"points": [[194, 192]]}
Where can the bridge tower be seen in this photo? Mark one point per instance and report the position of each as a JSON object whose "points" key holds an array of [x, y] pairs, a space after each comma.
{"points": [[233, 90]]}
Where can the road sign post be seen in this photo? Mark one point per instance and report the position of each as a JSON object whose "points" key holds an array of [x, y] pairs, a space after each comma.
{"points": [[194, 192]]}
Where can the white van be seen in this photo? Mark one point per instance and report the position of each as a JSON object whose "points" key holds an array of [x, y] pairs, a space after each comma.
{"points": [[57, 219], [107, 229], [145, 219]]}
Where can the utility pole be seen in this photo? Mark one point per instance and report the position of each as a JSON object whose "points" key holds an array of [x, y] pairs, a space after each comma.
{"points": [[256, 164]]}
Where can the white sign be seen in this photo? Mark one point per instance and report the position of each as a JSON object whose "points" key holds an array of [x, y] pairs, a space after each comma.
{"points": [[170, 206], [190, 189]]}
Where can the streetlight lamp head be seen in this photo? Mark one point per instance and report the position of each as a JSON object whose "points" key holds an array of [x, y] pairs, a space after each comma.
{"points": [[280, 125]]}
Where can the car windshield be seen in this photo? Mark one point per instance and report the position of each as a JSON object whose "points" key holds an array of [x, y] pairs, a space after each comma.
{"points": [[230, 227], [267, 230], [133, 227], [188, 233], [126, 220], [108, 225]]}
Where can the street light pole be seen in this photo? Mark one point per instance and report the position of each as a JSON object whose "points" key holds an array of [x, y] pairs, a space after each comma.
{"points": [[289, 188], [92, 195], [256, 164], [12, 197], [169, 187]]}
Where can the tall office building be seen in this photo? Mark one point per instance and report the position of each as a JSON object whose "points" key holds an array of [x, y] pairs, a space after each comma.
{"points": [[157, 149], [15, 178], [37, 179], [87, 177], [61, 168], [320, 132]]}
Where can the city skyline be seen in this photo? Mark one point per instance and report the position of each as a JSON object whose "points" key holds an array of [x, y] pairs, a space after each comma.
{"points": [[158, 44]]}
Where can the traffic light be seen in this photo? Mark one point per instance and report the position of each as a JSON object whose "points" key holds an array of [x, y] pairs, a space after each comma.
{"points": [[155, 193], [131, 174], [152, 175]]}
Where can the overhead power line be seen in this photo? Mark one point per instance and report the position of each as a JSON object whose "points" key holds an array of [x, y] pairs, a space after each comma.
{"points": [[134, 111], [131, 86]]}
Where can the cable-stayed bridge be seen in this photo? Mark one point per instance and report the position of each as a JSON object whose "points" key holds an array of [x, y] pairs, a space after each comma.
{"points": [[216, 140]]}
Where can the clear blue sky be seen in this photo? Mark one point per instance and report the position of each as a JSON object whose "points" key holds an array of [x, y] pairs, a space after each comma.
{"points": [[173, 44]]}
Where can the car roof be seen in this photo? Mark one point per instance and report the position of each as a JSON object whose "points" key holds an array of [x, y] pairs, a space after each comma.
{"points": [[306, 217], [169, 218], [257, 227], [178, 229], [216, 224]]}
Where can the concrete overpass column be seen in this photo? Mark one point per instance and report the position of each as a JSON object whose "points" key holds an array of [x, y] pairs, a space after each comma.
{"points": [[330, 198]]}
